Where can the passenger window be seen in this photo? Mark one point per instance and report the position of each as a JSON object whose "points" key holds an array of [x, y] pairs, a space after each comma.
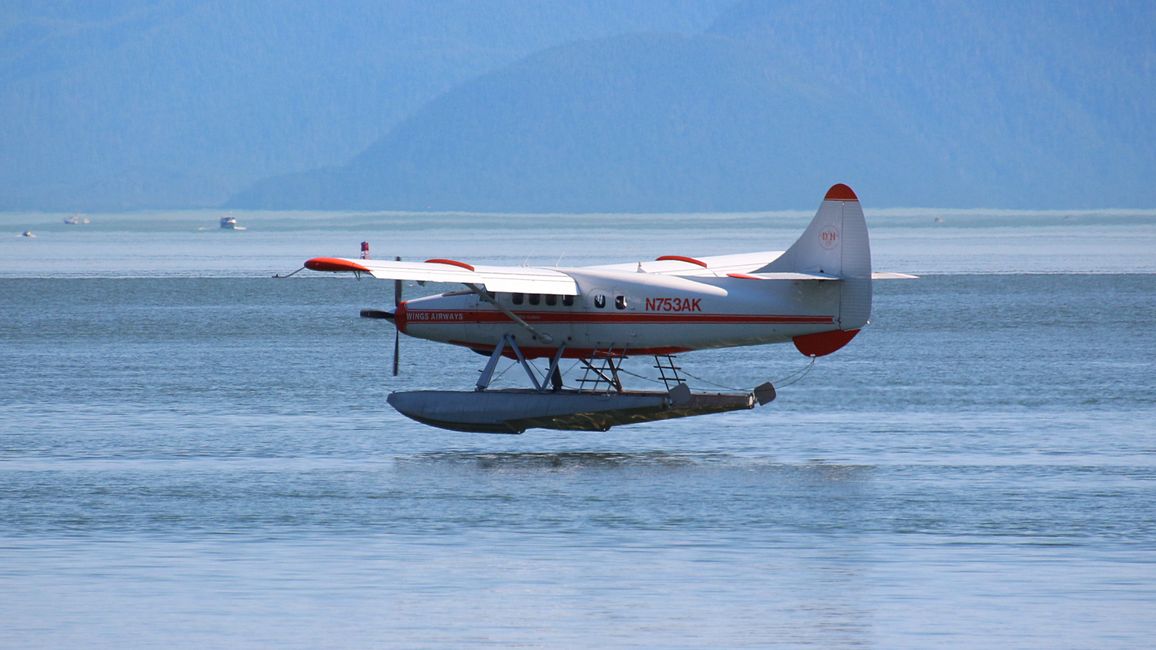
{"points": [[600, 301], [568, 301], [551, 300], [620, 302], [535, 298], [518, 298]]}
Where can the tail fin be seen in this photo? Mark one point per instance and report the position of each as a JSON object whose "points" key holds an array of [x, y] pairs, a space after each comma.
{"points": [[835, 243]]}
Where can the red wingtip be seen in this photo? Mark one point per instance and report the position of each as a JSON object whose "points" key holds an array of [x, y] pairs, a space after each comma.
{"points": [[335, 264], [840, 192]]}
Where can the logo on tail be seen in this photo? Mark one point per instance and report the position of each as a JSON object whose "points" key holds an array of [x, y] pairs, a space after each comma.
{"points": [[829, 237]]}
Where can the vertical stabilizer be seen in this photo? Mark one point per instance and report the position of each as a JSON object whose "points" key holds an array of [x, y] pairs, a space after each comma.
{"points": [[836, 243]]}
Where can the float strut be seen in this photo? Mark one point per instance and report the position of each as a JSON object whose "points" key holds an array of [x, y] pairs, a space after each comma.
{"points": [[553, 372], [488, 371], [525, 364]]}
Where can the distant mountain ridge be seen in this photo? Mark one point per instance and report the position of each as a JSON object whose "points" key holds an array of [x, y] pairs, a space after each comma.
{"points": [[1030, 105], [123, 104]]}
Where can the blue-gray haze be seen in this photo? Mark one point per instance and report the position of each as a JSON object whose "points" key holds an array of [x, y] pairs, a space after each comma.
{"points": [[558, 106]]}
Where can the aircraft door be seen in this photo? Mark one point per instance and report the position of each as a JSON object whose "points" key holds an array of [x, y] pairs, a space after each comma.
{"points": [[603, 326], [592, 327]]}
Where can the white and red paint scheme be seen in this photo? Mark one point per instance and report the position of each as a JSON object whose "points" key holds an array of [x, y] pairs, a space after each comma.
{"points": [[817, 294]]}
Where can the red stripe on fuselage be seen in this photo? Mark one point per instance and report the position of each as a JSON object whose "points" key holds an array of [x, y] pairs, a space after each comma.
{"points": [[570, 353], [458, 316]]}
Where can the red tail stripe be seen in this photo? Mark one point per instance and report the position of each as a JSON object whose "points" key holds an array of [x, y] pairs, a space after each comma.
{"points": [[840, 192]]}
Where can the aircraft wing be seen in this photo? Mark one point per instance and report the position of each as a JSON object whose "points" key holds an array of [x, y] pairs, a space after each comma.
{"points": [[513, 279], [519, 279]]}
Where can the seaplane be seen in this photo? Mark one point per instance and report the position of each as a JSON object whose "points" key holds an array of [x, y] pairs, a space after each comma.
{"points": [[816, 294]]}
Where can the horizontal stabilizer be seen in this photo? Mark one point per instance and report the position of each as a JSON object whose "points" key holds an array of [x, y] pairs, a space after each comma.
{"points": [[783, 275], [787, 275]]}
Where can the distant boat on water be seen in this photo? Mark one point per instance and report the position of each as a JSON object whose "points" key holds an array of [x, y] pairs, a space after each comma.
{"points": [[77, 220], [230, 223], [29, 234]]}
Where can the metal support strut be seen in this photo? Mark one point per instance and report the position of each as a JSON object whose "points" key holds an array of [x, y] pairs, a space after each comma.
{"points": [[553, 375]]}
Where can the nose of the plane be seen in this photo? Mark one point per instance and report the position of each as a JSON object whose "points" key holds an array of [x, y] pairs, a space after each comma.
{"points": [[401, 316], [377, 313], [397, 315]]}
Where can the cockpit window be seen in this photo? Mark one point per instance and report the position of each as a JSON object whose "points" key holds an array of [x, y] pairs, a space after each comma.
{"points": [[568, 301], [518, 298], [620, 302], [535, 298], [600, 301], [551, 300]]}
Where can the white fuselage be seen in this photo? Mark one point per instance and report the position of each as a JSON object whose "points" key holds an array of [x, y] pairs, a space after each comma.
{"points": [[623, 312]]}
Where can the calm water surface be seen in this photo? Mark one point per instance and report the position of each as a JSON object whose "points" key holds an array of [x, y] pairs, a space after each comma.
{"points": [[194, 454]]}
